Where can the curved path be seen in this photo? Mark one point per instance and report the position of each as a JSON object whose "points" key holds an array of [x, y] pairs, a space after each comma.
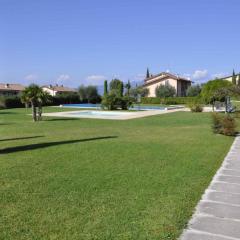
{"points": [[217, 215]]}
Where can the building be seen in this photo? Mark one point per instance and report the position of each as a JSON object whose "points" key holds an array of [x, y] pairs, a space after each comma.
{"points": [[230, 78], [8, 89], [179, 83], [58, 90]]}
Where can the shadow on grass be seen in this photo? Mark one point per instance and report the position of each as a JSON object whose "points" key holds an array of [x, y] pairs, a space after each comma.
{"points": [[19, 138], [60, 119], [49, 144], [7, 112]]}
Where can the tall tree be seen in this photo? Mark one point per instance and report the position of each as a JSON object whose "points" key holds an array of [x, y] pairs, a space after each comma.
{"points": [[128, 87], [148, 73], [105, 87], [234, 78], [121, 89], [239, 79], [116, 87]]}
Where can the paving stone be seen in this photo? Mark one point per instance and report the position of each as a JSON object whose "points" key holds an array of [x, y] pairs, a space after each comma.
{"points": [[227, 228], [224, 197], [191, 235], [233, 165], [230, 179], [230, 172], [225, 187], [220, 210]]}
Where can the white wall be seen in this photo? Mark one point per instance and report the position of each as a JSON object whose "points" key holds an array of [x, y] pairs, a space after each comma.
{"points": [[170, 81]]}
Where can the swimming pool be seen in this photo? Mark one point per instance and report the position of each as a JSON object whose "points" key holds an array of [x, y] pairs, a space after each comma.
{"points": [[135, 107]]}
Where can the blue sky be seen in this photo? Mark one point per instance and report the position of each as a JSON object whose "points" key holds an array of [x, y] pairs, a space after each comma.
{"points": [[84, 42]]}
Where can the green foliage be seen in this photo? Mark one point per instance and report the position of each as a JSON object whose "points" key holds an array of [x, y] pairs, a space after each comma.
{"points": [[224, 124], [89, 94], [234, 78], [105, 87], [138, 90], [195, 107], [194, 91], [147, 74], [164, 91], [210, 89], [114, 102], [34, 95], [128, 87], [172, 100], [116, 87], [10, 102]]}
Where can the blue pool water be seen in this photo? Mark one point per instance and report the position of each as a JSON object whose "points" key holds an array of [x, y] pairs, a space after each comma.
{"points": [[136, 107]]}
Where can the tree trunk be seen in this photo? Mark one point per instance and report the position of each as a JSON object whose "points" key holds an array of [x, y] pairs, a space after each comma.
{"points": [[39, 112], [34, 112]]}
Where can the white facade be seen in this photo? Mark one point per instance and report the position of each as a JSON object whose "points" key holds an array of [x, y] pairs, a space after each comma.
{"points": [[180, 84]]}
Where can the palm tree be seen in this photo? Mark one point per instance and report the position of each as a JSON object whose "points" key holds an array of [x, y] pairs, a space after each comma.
{"points": [[42, 98], [34, 95]]}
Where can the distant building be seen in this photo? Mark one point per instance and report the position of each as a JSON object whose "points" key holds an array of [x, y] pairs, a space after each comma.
{"points": [[230, 78], [58, 90], [179, 83], [9, 89]]}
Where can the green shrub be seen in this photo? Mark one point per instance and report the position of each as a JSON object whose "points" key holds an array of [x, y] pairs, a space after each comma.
{"points": [[164, 91], [170, 100], [114, 102], [195, 107], [10, 102], [225, 125]]}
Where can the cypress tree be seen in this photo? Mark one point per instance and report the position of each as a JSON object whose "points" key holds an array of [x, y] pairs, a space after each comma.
{"points": [[239, 79], [128, 87], [105, 87], [234, 78], [148, 74], [121, 89]]}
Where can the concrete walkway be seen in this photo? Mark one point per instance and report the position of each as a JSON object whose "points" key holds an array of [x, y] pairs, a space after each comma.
{"points": [[217, 215]]}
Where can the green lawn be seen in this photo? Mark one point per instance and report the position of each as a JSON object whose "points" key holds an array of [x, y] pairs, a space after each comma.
{"points": [[102, 179]]}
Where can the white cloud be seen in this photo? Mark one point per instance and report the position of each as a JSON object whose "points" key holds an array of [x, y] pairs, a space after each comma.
{"points": [[218, 75], [63, 78], [95, 79], [31, 77], [200, 74], [139, 77]]}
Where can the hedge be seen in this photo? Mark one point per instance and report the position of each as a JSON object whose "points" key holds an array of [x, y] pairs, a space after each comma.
{"points": [[10, 102], [170, 100], [15, 101]]}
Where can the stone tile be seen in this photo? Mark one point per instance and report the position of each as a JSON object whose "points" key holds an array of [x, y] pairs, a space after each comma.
{"points": [[219, 226], [220, 210], [224, 197], [230, 172], [225, 187], [191, 235], [233, 165], [230, 179]]}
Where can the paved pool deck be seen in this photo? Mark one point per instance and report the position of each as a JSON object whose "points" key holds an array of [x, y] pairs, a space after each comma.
{"points": [[119, 115], [217, 215]]}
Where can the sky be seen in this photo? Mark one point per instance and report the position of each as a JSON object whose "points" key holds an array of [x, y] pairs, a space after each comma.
{"points": [[78, 42]]}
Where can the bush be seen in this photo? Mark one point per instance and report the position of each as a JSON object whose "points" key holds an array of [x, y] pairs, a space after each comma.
{"points": [[170, 100], [164, 91], [11, 102], [195, 107], [225, 125], [114, 102], [194, 91]]}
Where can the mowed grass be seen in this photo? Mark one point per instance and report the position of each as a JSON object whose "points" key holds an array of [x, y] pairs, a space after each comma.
{"points": [[103, 179]]}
